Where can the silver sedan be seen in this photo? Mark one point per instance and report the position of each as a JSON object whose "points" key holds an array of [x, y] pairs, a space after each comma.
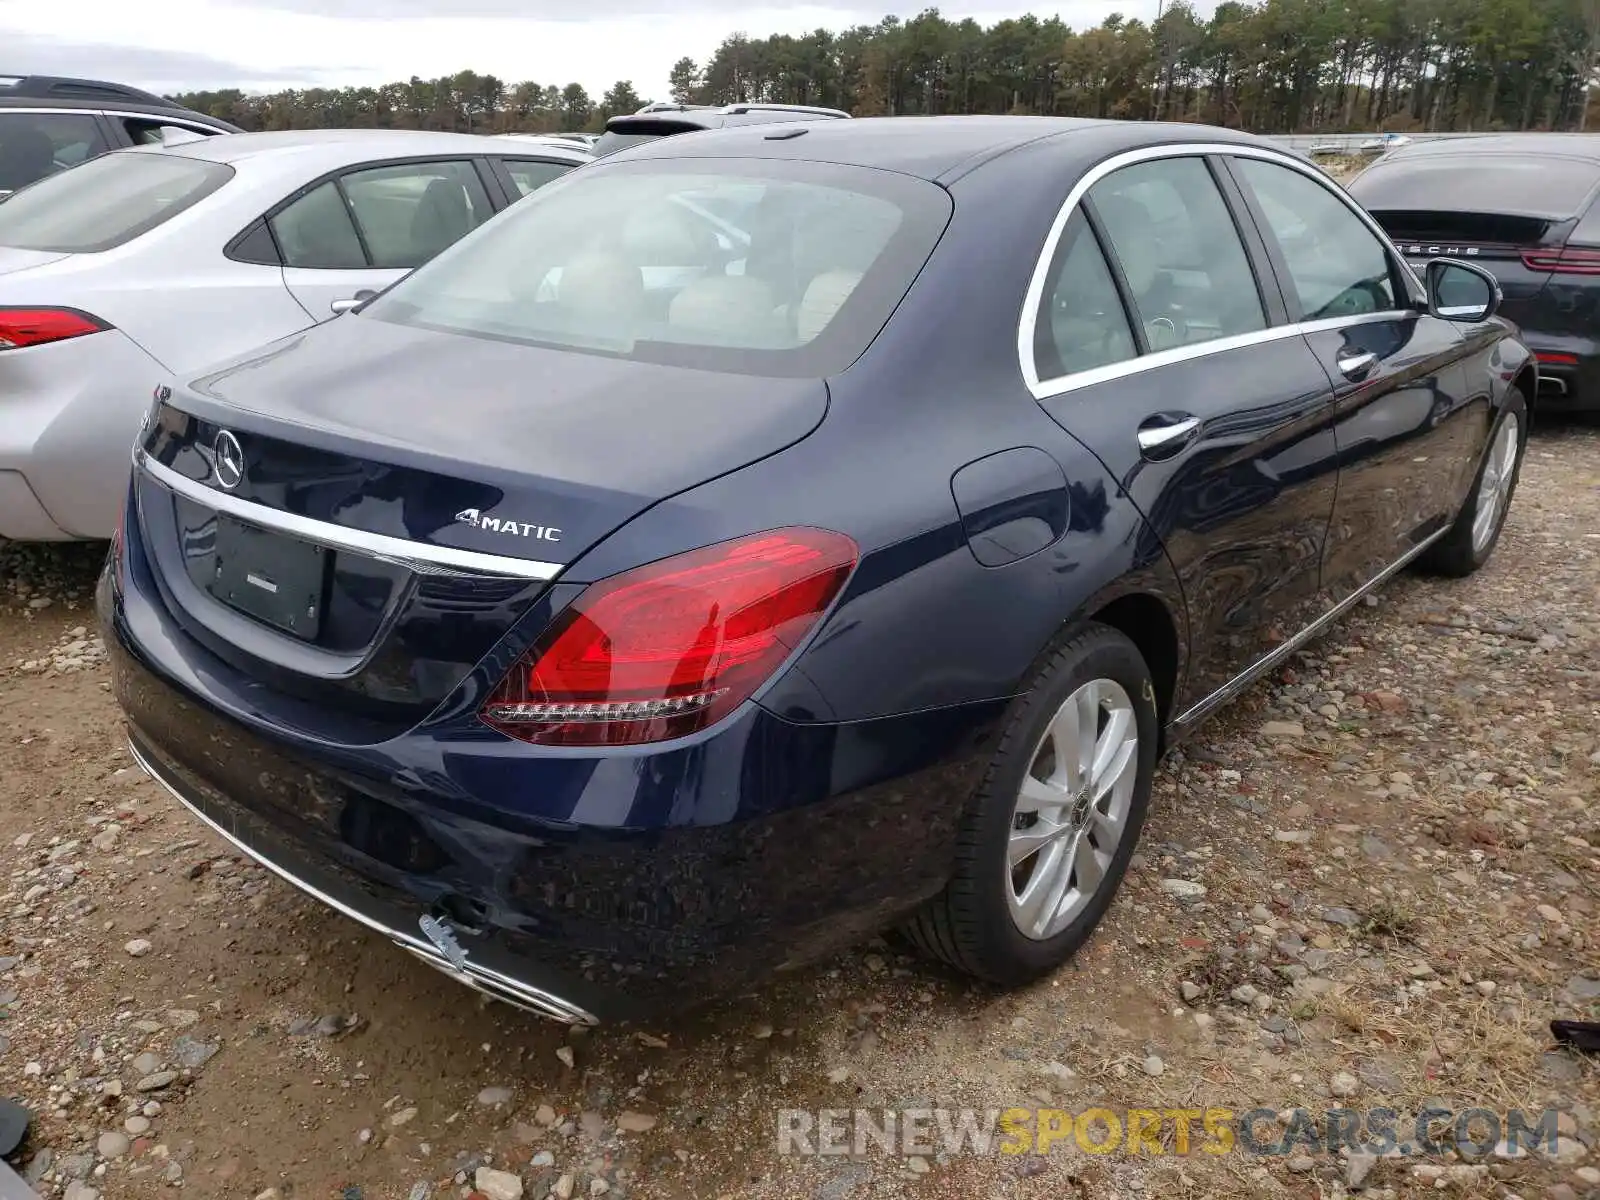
{"points": [[149, 263]]}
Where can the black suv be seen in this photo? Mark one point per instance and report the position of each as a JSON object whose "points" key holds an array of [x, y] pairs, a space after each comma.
{"points": [[665, 118], [48, 123]]}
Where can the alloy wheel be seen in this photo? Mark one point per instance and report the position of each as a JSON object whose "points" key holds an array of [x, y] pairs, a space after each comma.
{"points": [[1071, 812], [1494, 489]]}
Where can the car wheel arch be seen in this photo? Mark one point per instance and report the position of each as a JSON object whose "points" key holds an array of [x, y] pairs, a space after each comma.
{"points": [[1149, 616]]}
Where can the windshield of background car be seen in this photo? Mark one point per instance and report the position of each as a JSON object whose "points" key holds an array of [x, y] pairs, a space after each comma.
{"points": [[106, 201], [749, 266], [1533, 185]]}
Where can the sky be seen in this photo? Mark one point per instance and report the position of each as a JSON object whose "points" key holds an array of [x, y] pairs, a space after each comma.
{"points": [[265, 45]]}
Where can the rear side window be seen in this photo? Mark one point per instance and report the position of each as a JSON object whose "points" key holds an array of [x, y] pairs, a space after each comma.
{"points": [[316, 231], [409, 212], [1081, 323], [632, 260], [34, 145], [1188, 277], [1339, 267], [147, 131], [529, 175], [107, 201]]}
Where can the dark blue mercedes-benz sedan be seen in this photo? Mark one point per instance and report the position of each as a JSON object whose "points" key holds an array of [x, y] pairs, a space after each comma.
{"points": [[770, 536]]}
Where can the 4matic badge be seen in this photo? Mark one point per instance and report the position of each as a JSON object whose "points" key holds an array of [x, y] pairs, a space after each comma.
{"points": [[479, 519]]}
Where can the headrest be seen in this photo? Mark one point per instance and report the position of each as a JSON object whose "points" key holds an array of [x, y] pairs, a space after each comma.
{"points": [[735, 310], [824, 297]]}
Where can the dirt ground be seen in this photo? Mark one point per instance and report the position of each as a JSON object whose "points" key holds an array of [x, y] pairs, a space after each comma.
{"points": [[1371, 882]]}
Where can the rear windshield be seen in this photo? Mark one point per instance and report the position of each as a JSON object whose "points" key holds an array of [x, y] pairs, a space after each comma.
{"points": [[748, 266], [106, 201], [1516, 185]]}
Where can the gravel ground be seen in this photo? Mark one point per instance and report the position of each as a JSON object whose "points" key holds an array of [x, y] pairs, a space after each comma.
{"points": [[1371, 882]]}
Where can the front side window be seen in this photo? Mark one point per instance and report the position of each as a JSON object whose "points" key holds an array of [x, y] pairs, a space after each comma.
{"points": [[107, 201], [1337, 266], [1081, 323], [1188, 276], [635, 260], [34, 145]]}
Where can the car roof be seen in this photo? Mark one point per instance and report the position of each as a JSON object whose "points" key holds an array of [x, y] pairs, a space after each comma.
{"points": [[560, 141], [337, 146], [1584, 146], [934, 148]]}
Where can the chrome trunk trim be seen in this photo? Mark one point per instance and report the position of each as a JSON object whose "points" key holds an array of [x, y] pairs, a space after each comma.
{"points": [[419, 556]]}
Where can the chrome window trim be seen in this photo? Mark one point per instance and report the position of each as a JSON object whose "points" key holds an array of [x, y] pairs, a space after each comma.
{"points": [[1043, 389], [419, 556]]}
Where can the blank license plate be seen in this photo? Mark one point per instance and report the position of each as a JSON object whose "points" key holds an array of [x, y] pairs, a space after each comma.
{"points": [[273, 578]]}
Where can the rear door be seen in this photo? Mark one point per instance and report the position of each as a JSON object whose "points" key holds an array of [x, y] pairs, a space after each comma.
{"points": [[1407, 423], [364, 228], [1158, 344]]}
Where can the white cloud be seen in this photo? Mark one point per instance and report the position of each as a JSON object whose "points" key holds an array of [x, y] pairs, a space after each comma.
{"points": [[263, 44]]}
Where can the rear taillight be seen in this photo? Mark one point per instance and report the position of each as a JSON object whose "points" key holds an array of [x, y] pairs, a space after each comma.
{"points": [[1563, 262], [672, 647], [1551, 359], [20, 327]]}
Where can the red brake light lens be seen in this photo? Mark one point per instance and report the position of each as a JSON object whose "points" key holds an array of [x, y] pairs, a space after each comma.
{"points": [[674, 646], [1553, 359], [21, 327], [1563, 262]]}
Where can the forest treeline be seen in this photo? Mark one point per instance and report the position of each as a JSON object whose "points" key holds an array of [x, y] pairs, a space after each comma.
{"points": [[1278, 66]]}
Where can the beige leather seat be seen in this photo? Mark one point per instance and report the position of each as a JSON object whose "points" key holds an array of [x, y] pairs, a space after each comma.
{"points": [[604, 287], [825, 296], [733, 310]]}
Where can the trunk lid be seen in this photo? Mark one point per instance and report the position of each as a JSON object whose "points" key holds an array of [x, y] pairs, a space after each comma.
{"points": [[403, 498], [13, 260], [1486, 203], [1495, 241]]}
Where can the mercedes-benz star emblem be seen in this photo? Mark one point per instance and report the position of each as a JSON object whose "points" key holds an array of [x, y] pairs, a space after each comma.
{"points": [[227, 460]]}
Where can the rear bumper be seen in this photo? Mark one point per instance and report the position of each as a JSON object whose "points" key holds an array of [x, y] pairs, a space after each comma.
{"points": [[69, 412], [581, 885], [1566, 386], [258, 844]]}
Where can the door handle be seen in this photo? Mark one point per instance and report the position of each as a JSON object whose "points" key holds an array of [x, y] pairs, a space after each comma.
{"points": [[1356, 366], [352, 302], [1166, 434]]}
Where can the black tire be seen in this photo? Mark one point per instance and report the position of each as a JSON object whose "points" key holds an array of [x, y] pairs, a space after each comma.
{"points": [[969, 925], [1455, 554]]}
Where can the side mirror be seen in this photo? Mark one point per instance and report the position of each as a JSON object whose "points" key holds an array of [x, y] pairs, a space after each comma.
{"points": [[1459, 291], [353, 303]]}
